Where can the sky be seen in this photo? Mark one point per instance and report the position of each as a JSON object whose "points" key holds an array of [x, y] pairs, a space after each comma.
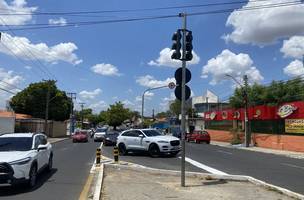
{"points": [[109, 62]]}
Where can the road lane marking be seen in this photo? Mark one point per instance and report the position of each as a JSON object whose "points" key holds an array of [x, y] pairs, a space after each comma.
{"points": [[204, 167], [291, 165], [85, 191], [226, 152]]}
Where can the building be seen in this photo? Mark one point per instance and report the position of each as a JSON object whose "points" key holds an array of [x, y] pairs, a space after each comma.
{"points": [[7, 121]]}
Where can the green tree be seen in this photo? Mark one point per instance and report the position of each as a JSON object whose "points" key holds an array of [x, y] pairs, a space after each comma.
{"points": [[32, 101], [175, 107], [116, 114]]}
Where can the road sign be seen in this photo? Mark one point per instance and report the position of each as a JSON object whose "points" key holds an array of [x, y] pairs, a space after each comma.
{"points": [[171, 85], [178, 76], [178, 92]]}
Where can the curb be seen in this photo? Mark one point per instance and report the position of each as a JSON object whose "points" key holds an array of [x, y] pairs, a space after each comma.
{"points": [[98, 186], [211, 176]]}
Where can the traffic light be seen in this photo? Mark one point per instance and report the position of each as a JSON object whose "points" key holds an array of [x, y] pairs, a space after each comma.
{"points": [[176, 46], [188, 46]]}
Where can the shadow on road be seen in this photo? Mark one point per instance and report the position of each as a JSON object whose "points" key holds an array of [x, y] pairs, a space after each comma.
{"points": [[146, 154], [23, 188]]}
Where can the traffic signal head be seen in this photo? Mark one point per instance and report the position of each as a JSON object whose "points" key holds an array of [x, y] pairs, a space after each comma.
{"points": [[176, 46], [188, 46]]}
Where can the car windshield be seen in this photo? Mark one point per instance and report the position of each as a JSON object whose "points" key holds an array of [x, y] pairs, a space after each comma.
{"points": [[15, 143], [152, 133], [101, 130]]}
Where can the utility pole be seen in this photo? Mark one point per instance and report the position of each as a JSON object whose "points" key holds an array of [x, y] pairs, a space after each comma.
{"points": [[183, 120], [247, 124], [72, 96], [81, 104], [47, 107], [153, 114]]}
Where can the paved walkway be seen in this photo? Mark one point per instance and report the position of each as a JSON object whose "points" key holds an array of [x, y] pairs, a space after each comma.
{"points": [[54, 140], [291, 154]]}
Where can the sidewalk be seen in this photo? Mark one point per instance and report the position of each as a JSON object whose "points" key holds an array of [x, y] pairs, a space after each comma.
{"points": [[291, 154], [54, 140], [131, 183]]}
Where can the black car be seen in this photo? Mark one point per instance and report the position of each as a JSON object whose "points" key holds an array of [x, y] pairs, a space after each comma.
{"points": [[110, 138]]}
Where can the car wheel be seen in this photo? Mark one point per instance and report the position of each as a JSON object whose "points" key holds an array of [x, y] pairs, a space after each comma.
{"points": [[50, 164], [207, 142], [196, 141], [122, 149], [154, 150], [33, 176]]}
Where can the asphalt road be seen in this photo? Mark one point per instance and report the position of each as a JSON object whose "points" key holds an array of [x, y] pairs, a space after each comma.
{"points": [[141, 158], [72, 163], [274, 169]]}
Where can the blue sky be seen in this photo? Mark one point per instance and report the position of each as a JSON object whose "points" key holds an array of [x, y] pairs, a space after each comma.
{"points": [[112, 62]]}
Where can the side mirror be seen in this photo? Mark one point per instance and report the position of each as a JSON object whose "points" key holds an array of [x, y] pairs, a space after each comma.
{"points": [[42, 147], [141, 136]]}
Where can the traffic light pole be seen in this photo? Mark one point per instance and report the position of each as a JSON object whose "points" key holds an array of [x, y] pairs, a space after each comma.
{"points": [[183, 120]]}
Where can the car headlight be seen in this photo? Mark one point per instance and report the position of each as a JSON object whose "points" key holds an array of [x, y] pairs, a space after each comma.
{"points": [[21, 161], [162, 141]]}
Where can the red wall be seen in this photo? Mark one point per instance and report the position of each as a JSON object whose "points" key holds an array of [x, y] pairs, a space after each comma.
{"points": [[271, 141]]}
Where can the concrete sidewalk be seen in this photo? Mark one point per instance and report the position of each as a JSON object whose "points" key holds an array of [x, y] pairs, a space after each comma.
{"points": [[290, 154], [54, 140], [131, 183]]}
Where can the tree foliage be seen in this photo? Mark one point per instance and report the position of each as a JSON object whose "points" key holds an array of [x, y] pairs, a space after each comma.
{"points": [[277, 92], [116, 114], [32, 101]]}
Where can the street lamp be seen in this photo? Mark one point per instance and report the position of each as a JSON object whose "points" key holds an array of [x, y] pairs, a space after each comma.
{"points": [[170, 85], [245, 95]]}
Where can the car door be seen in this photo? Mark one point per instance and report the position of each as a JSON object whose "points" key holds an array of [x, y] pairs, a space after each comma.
{"points": [[138, 141], [40, 159], [44, 152], [127, 139]]}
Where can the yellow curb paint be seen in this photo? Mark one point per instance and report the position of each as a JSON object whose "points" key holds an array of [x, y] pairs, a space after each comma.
{"points": [[85, 191]]}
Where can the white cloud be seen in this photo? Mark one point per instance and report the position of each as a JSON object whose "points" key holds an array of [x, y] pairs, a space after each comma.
{"points": [[9, 81], [105, 69], [138, 98], [15, 6], [128, 103], [164, 104], [151, 82], [265, 26], [21, 46], [61, 21], [87, 95], [164, 59], [28, 67], [295, 68], [294, 47], [148, 96], [97, 107], [233, 64]]}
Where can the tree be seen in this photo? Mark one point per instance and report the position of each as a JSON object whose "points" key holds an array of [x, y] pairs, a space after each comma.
{"points": [[116, 114], [32, 101], [175, 107]]}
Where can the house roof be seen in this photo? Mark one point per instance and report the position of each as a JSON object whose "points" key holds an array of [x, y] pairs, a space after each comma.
{"points": [[23, 116], [6, 113]]}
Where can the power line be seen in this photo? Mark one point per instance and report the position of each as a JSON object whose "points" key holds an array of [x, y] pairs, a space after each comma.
{"points": [[86, 23], [7, 91]]}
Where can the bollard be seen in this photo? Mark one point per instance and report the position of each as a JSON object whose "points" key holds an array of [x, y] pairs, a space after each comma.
{"points": [[115, 152], [98, 154]]}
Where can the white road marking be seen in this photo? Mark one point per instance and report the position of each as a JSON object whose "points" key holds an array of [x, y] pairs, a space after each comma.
{"points": [[291, 165], [226, 152], [204, 167]]}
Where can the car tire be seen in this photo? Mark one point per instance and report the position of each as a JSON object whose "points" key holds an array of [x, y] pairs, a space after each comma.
{"points": [[50, 164], [154, 150], [122, 149], [32, 176], [207, 142], [196, 141]]}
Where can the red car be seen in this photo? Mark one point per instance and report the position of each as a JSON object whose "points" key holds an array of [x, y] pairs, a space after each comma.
{"points": [[198, 137], [80, 136]]}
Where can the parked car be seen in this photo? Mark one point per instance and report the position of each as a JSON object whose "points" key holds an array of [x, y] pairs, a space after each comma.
{"points": [[110, 138], [149, 140], [23, 156], [100, 133], [198, 137], [80, 136]]}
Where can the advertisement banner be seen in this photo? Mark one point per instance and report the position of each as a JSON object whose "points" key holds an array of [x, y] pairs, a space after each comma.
{"points": [[294, 126]]}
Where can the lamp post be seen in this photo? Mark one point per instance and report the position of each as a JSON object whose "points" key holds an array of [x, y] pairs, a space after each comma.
{"points": [[170, 85], [245, 95]]}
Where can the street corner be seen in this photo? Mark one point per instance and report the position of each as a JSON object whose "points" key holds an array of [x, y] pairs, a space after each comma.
{"points": [[129, 182]]}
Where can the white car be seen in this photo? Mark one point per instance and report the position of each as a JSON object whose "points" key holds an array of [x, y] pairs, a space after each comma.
{"points": [[23, 156], [149, 140], [100, 133]]}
